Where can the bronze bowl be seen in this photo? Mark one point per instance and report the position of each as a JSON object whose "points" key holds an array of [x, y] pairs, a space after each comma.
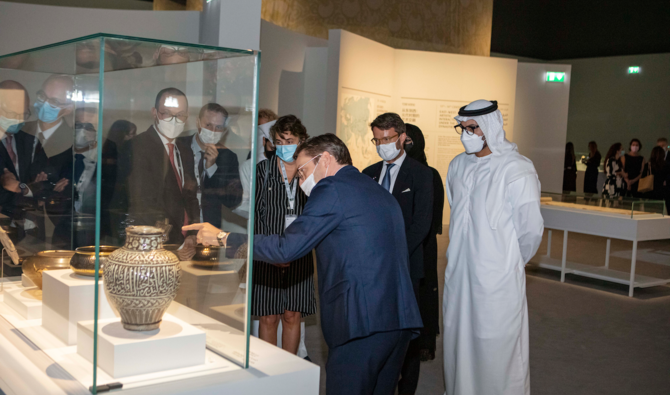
{"points": [[83, 261], [209, 255], [33, 266]]}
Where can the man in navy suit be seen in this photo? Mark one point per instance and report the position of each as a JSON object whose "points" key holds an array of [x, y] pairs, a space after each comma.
{"points": [[411, 184], [368, 308]]}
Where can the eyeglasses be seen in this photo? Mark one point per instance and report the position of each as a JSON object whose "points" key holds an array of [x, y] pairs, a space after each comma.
{"points": [[21, 116], [470, 130], [168, 117], [41, 96], [384, 140], [301, 172]]}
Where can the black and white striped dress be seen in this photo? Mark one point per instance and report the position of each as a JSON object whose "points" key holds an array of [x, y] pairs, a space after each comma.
{"points": [[277, 289]]}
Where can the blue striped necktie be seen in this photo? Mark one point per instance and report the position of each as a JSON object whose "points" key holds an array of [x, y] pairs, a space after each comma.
{"points": [[386, 182]]}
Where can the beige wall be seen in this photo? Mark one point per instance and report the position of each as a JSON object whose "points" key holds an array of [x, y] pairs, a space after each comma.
{"points": [[456, 26]]}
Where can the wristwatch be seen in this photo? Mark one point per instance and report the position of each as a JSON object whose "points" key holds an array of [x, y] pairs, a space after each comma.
{"points": [[220, 237], [23, 187]]}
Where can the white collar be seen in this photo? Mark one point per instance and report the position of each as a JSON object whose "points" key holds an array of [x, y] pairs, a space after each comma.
{"points": [[194, 144], [49, 132], [398, 162]]}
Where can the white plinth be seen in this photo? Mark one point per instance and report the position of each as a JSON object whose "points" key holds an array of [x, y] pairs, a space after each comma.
{"points": [[26, 282], [123, 353], [25, 301], [68, 298]]}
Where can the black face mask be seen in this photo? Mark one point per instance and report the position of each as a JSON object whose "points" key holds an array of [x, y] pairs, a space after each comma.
{"points": [[409, 146], [269, 152]]}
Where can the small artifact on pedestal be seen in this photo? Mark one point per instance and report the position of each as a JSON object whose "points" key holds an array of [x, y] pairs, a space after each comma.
{"points": [[141, 278], [83, 261], [33, 266]]}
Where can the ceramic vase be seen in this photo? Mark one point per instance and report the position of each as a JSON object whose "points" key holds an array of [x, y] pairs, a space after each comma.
{"points": [[142, 278]]}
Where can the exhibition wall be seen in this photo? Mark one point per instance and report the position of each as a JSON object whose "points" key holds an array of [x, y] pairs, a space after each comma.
{"points": [[541, 120], [609, 105], [366, 78]]}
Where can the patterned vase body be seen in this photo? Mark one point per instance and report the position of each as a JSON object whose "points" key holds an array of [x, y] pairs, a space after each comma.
{"points": [[141, 278]]}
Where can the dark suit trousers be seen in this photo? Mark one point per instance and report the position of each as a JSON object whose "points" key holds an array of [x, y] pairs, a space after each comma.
{"points": [[409, 374], [367, 366]]}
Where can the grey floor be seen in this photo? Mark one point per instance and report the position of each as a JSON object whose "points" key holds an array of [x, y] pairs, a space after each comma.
{"points": [[586, 336]]}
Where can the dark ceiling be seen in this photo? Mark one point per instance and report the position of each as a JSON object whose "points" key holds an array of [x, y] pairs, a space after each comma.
{"points": [[567, 29]]}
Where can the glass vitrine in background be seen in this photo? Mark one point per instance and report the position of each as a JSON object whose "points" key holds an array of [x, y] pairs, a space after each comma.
{"points": [[110, 145], [627, 206]]}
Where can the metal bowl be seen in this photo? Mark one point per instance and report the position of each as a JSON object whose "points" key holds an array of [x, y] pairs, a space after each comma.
{"points": [[83, 261], [171, 247], [33, 266], [209, 256]]}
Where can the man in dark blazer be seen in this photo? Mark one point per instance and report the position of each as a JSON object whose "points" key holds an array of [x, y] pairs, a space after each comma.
{"points": [[411, 184], [368, 309], [161, 182], [216, 168]]}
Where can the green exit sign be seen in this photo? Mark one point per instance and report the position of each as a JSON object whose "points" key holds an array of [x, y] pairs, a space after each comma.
{"points": [[555, 76], [634, 70]]}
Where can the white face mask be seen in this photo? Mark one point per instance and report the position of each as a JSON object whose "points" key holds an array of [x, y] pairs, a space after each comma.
{"points": [[80, 140], [171, 129], [209, 137], [388, 151], [309, 183], [472, 143], [9, 124], [634, 148]]}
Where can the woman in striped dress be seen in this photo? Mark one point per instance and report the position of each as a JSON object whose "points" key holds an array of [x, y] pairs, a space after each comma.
{"points": [[281, 292]]}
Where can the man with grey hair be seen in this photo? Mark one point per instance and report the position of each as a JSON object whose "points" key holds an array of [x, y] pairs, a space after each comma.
{"points": [[495, 228]]}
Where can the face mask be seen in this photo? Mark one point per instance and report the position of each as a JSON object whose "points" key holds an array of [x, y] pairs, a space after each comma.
{"points": [[10, 125], [472, 143], [634, 148], [171, 129], [388, 151], [46, 112], [309, 183], [209, 137], [408, 147], [80, 140], [285, 152]]}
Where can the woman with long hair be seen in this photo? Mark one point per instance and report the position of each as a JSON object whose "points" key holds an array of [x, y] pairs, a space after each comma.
{"points": [[614, 184], [633, 163], [658, 169], [569, 169], [592, 164]]}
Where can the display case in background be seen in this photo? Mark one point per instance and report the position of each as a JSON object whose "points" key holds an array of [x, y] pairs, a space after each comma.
{"points": [[92, 193], [628, 206]]}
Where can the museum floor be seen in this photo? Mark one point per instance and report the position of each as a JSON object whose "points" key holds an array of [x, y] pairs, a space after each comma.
{"points": [[586, 336]]}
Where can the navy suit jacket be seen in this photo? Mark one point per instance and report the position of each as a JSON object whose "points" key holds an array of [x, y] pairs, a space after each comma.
{"points": [[359, 235], [413, 189]]}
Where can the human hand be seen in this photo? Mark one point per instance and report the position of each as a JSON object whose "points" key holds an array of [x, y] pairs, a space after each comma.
{"points": [[41, 177], [211, 153], [206, 233], [9, 182], [187, 250], [60, 185]]}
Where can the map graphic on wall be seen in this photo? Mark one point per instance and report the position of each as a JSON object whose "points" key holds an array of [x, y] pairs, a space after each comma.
{"points": [[356, 114]]}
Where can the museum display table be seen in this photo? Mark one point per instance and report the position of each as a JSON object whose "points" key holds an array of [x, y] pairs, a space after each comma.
{"points": [[35, 361], [634, 225]]}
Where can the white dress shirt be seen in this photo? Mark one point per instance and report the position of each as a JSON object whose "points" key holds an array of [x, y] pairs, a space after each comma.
{"points": [[13, 148], [45, 136], [394, 170], [195, 147], [90, 165], [177, 155]]}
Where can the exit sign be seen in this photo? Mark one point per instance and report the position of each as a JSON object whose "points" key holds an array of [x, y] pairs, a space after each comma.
{"points": [[555, 76], [634, 70]]}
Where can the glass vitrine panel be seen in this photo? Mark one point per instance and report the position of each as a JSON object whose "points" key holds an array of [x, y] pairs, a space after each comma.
{"points": [[627, 206]]}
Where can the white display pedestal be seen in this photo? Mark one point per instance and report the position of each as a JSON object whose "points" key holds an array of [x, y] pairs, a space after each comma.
{"points": [[123, 353], [27, 302], [26, 282], [68, 298]]}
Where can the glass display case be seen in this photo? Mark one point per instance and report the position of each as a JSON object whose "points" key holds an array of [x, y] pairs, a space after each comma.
{"points": [[110, 145], [631, 207]]}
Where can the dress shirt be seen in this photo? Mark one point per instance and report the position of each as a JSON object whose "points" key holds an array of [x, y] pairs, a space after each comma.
{"points": [[394, 170], [13, 149], [178, 164], [195, 147], [45, 135]]}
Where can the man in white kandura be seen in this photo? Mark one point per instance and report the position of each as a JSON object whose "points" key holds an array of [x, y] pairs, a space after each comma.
{"points": [[495, 228]]}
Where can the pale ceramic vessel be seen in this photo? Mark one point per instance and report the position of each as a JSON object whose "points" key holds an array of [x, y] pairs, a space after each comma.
{"points": [[141, 278]]}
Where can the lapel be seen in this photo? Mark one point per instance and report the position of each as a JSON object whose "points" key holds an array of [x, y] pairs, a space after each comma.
{"points": [[162, 159], [60, 141], [377, 171], [24, 150], [403, 181], [7, 161]]}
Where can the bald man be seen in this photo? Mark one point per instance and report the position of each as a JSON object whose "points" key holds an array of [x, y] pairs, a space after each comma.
{"points": [[52, 154]]}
